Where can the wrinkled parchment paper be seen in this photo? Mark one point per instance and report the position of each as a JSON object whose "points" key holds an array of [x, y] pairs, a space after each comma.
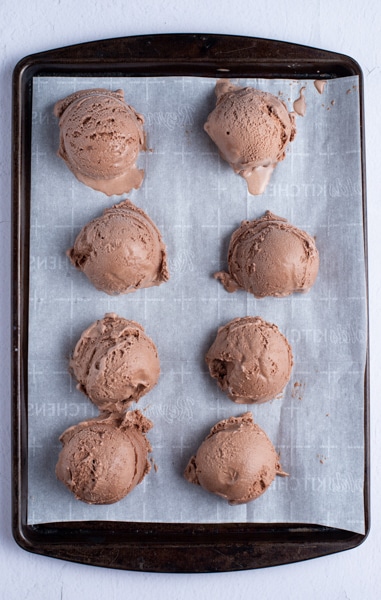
{"points": [[197, 201]]}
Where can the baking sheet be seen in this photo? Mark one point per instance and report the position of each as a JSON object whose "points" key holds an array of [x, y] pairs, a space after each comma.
{"points": [[197, 201]]}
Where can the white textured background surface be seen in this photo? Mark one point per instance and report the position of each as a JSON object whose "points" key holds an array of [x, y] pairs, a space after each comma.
{"points": [[352, 28]]}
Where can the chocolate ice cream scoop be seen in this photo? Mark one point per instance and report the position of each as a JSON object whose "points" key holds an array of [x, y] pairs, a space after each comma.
{"points": [[121, 251], [103, 459], [270, 257], [251, 129], [251, 360], [115, 363], [236, 461], [100, 139]]}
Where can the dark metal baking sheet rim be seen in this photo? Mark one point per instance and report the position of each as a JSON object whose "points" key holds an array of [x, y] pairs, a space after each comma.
{"points": [[159, 547]]}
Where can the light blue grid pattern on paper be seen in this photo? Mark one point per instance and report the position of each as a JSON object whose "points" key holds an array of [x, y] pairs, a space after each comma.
{"points": [[197, 201]]}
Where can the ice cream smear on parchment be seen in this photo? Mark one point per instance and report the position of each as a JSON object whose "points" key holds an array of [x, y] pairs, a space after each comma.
{"points": [[236, 461], [320, 85], [115, 363], [100, 139], [299, 104], [105, 458], [251, 130], [121, 251], [270, 257]]}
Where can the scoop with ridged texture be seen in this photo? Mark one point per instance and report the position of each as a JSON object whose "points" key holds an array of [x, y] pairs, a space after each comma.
{"points": [[100, 139], [115, 363], [270, 257], [236, 461], [251, 360], [251, 130], [104, 459], [121, 251]]}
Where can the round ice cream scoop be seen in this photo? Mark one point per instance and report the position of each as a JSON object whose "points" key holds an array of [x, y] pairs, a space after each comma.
{"points": [[236, 461], [251, 130], [270, 257], [103, 459], [250, 359], [115, 363], [100, 139], [121, 251]]}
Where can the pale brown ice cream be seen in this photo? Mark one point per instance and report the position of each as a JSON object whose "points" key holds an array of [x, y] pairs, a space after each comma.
{"points": [[270, 257], [100, 139], [115, 363], [251, 360], [103, 459], [121, 251], [236, 461], [251, 130]]}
